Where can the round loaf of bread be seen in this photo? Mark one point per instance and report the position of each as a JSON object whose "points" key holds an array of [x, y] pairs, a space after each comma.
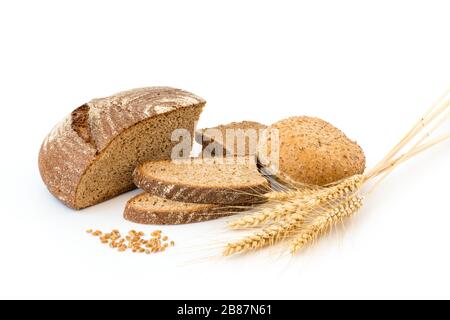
{"points": [[311, 151]]}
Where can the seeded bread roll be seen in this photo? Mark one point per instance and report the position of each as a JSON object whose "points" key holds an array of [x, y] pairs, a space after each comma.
{"points": [[149, 209], [207, 138], [90, 156], [202, 181], [312, 151]]}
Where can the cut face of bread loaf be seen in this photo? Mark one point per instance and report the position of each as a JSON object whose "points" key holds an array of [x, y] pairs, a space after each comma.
{"points": [[90, 156], [205, 181], [149, 209], [311, 151], [246, 133]]}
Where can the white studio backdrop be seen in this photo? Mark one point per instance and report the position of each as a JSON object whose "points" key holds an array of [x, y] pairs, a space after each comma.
{"points": [[370, 68]]}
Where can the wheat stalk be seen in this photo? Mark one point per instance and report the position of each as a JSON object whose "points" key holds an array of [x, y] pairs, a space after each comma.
{"points": [[436, 110]]}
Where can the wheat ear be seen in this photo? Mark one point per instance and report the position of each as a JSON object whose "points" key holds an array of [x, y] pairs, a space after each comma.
{"points": [[341, 189], [265, 215], [325, 221], [296, 193], [267, 236], [298, 200], [322, 195]]}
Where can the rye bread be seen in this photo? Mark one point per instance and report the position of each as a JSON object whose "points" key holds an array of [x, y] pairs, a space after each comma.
{"points": [[150, 209], [216, 138], [205, 181], [90, 156], [311, 151]]}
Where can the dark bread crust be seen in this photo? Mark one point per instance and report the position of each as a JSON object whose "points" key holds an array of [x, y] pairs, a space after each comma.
{"points": [[74, 144], [175, 217], [195, 194]]}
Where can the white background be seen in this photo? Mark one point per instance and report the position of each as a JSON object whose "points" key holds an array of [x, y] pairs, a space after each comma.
{"points": [[369, 67]]}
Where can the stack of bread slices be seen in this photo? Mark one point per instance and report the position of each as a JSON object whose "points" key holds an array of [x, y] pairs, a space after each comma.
{"points": [[111, 145], [214, 185]]}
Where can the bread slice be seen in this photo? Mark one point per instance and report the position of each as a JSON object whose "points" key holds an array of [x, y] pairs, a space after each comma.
{"points": [[214, 140], [149, 209], [203, 181], [90, 156]]}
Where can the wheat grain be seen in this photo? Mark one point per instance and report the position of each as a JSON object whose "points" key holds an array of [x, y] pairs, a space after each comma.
{"points": [[325, 220], [134, 241]]}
